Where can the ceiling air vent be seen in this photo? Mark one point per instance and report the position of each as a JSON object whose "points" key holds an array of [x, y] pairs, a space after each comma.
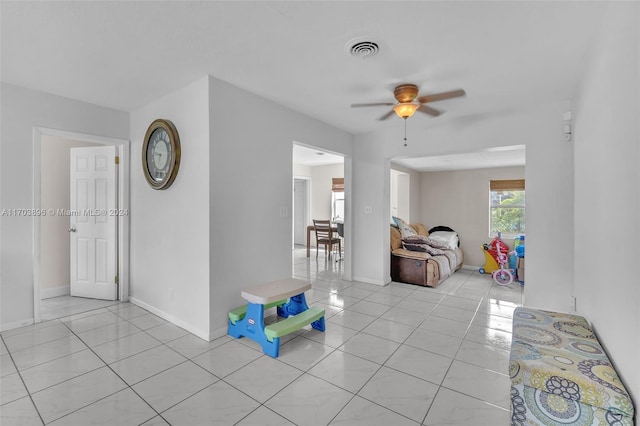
{"points": [[362, 48]]}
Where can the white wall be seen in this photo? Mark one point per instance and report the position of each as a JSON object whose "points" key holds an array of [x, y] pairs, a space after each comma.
{"points": [[250, 184], [300, 170], [170, 228], [550, 236], [549, 176], [607, 211], [460, 199], [234, 179], [370, 238], [54, 235], [21, 110]]}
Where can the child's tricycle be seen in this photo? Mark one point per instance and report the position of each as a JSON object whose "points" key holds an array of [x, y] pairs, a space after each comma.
{"points": [[496, 259]]}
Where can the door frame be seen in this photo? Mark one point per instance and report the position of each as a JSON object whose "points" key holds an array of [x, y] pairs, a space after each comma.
{"points": [[123, 149], [306, 202]]}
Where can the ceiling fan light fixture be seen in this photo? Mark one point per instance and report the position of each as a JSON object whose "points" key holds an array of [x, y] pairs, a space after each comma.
{"points": [[406, 109]]}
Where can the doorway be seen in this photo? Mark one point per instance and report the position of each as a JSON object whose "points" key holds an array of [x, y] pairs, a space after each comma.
{"points": [[400, 186], [317, 170], [300, 210], [51, 257]]}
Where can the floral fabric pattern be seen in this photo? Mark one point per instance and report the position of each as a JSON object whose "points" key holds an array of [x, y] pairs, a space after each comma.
{"points": [[561, 375], [533, 407]]}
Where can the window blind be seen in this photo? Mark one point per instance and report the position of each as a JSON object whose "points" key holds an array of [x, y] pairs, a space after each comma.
{"points": [[507, 185], [337, 184]]}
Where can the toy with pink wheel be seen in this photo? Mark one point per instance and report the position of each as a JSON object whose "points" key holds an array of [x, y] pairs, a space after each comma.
{"points": [[502, 276]]}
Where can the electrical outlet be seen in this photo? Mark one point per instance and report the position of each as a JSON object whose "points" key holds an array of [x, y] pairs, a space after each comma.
{"points": [[368, 210]]}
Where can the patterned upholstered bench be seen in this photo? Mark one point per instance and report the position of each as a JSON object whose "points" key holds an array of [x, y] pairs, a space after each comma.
{"points": [[560, 375]]}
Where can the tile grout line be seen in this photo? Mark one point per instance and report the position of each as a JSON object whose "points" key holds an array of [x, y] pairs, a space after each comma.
{"points": [[381, 365], [354, 394], [105, 365], [23, 383], [113, 371], [323, 284]]}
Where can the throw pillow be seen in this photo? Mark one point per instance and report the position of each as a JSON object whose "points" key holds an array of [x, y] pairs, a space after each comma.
{"points": [[404, 227], [436, 243], [448, 238]]}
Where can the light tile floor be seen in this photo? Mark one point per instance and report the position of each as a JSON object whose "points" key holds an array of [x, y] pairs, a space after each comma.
{"points": [[64, 306], [394, 355]]}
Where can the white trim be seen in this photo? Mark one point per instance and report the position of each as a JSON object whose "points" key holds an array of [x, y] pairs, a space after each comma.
{"points": [[123, 148], [37, 135], [471, 267], [172, 319], [347, 246], [124, 152], [48, 293], [16, 324], [307, 207], [370, 281], [216, 334]]}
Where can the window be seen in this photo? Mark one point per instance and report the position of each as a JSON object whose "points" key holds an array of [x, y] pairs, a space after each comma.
{"points": [[507, 208], [337, 199], [337, 211]]}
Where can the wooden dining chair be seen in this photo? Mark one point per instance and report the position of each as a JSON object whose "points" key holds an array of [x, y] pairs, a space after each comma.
{"points": [[325, 237]]}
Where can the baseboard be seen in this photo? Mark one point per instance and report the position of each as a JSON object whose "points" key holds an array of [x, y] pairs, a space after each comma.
{"points": [[370, 281], [48, 293], [189, 327], [470, 267], [16, 324], [215, 334]]}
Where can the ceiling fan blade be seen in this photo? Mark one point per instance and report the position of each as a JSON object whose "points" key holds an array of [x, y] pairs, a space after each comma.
{"points": [[387, 115], [429, 110], [373, 104], [441, 96]]}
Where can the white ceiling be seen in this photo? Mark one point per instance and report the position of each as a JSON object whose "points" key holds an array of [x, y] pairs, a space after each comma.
{"points": [[497, 157], [314, 157], [124, 54]]}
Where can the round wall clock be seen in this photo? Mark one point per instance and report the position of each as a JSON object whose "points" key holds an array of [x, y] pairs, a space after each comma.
{"points": [[161, 154]]}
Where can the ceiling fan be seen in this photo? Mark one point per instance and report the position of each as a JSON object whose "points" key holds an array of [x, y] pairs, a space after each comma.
{"points": [[406, 95]]}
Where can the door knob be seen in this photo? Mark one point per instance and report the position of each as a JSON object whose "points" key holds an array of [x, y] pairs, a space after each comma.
{"points": [[72, 229]]}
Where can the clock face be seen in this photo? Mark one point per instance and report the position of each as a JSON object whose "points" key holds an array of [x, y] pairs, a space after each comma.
{"points": [[158, 152], [161, 154]]}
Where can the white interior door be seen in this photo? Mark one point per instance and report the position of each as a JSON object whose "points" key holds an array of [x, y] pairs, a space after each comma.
{"points": [[404, 196], [93, 222], [300, 211]]}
